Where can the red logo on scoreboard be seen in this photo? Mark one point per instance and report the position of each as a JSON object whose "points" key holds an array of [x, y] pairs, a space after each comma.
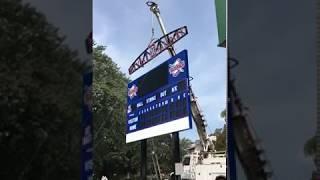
{"points": [[132, 92], [177, 67]]}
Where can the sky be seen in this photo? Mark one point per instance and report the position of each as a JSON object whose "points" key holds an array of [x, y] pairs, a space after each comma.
{"points": [[274, 42], [71, 16], [125, 28]]}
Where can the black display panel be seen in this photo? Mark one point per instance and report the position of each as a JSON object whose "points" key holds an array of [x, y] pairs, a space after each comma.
{"points": [[155, 79]]}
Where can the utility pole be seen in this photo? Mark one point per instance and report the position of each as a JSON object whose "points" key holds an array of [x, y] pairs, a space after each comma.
{"points": [[175, 135]]}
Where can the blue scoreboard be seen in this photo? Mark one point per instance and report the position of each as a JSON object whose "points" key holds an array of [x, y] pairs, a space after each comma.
{"points": [[159, 101]]}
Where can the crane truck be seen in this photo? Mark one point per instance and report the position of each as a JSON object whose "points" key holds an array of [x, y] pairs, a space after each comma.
{"points": [[203, 162]]}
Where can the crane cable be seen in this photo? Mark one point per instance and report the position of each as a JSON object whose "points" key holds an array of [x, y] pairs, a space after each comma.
{"points": [[152, 39], [152, 31]]}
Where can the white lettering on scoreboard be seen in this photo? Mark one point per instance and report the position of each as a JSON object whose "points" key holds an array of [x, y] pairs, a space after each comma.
{"points": [[174, 89], [133, 120], [139, 104], [151, 99], [133, 127], [163, 93]]}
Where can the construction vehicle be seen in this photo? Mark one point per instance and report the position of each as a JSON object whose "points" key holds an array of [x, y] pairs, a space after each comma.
{"points": [[203, 162]]}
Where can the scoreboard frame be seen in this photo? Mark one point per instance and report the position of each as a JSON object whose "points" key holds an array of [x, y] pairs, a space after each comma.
{"points": [[158, 102]]}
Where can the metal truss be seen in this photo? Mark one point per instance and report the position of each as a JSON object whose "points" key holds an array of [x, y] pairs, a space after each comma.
{"points": [[157, 47]]}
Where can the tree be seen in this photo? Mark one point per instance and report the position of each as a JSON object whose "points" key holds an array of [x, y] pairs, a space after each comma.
{"points": [[112, 156], [223, 115], [221, 134], [310, 147], [39, 106], [221, 143], [184, 145], [162, 146]]}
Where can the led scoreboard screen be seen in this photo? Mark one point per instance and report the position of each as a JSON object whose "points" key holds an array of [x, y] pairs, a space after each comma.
{"points": [[159, 101]]}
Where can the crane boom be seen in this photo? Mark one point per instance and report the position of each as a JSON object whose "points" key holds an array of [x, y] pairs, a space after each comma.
{"points": [[200, 123], [250, 155]]}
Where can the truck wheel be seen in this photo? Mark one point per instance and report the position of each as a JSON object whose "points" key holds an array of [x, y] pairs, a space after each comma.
{"points": [[220, 178]]}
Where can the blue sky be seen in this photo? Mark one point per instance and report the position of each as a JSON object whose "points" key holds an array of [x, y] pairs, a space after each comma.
{"points": [[124, 26]]}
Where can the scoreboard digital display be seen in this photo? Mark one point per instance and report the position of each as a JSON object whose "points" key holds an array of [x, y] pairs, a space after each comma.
{"points": [[159, 101]]}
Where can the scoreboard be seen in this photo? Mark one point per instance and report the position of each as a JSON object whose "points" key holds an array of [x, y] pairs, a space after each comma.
{"points": [[159, 101]]}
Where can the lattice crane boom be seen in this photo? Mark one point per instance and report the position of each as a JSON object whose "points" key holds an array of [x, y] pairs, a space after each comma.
{"points": [[250, 155]]}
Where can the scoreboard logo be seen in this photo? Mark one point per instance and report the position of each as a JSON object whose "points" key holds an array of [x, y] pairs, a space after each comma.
{"points": [[177, 67], [132, 92]]}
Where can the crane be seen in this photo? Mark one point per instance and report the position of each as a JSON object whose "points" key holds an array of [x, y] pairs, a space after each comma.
{"points": [[201, 123], [251, 156], [203, 161]]}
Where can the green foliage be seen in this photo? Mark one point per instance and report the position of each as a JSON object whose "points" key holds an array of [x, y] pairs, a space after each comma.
{"points": [[39, 105], [112, 157], [221, 134], [184, 144], [223, 114], [310, 147], [162, 146], [221, 143]]}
